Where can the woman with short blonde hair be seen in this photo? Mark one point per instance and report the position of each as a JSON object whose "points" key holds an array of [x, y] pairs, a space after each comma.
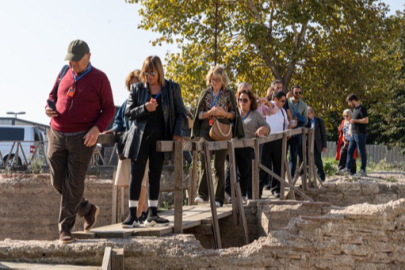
{"points": [[132, 77], [220, 73]]}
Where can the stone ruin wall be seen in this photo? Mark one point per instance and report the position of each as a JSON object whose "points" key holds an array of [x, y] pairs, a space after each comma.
{"points": [[361, 236], [288, 234], [349, 193], [29, 205]]}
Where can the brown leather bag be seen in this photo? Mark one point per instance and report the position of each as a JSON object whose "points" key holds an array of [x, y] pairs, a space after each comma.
{"points": [[221, 130]]}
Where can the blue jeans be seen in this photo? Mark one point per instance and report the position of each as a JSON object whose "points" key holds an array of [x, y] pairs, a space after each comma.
{"points": [[359, 141]]}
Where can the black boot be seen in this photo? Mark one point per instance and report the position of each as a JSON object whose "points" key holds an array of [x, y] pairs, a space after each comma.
{"points": [[154, 220], [131, 221]]}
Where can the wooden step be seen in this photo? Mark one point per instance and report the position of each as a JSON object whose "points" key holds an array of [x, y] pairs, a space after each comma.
{"points": [[193, 216]]}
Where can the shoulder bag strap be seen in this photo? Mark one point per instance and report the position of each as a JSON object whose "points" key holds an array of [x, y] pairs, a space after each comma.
{"points": [[61, 75]]}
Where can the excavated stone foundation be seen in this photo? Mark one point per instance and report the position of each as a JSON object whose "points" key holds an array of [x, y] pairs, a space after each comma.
{"points": [[362, 228], [360, 236]]}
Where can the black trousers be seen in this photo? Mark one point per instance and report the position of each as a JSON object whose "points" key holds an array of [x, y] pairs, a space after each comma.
{"points": [[243, 159], [156, 159], [342, 161], [271, 156], [319, 164]]}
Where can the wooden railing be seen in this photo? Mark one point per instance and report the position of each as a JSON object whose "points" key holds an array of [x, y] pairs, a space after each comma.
{"points": [[238, 211]]}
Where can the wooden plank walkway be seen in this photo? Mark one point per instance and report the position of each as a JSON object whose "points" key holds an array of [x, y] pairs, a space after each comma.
{"points": [[193, 216]]}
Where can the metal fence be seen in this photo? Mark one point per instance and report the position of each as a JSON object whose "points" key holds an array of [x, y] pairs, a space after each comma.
{"points": [[376, 153], [17, 154]]}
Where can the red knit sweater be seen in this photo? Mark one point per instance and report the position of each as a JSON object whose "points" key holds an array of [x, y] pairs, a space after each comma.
{"points": [[91, 105]]}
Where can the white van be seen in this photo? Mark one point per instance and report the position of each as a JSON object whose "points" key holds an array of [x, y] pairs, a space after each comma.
{"points": [[31, 139]]}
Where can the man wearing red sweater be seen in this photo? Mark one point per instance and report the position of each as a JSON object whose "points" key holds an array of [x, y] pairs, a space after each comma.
{"points": [[84, 107]]}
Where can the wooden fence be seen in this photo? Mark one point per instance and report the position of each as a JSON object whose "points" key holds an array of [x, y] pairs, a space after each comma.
{"points": [[237, 207], [376, 153]]}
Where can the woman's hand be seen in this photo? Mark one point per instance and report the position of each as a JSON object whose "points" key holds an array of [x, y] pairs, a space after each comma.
{"points": [[270, 105], [212, 111], [262, 101], [220, 112], [261, 132], [151, 106]]}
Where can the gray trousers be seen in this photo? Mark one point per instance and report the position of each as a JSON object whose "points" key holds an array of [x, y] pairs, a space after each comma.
{"points": [[69, 160]]}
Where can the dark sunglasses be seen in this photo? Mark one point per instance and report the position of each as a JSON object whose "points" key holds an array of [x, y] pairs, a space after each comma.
{"points": [[244, 100], [298, 93], [152, 73], [283, 100], [345, 116]]}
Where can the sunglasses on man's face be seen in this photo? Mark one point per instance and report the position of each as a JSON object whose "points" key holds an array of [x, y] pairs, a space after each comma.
{"points": [[244, 100], [298, 93], [152, 73], [283, 100]]}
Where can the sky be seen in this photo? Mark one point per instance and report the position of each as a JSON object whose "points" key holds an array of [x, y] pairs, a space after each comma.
{"points": [[34, 36]]}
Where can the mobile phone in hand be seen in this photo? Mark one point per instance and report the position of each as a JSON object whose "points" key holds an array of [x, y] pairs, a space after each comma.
{"points": [[52, 105]]}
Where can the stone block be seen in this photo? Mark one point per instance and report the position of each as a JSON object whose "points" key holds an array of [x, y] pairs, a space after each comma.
{"points": [[384, 198]]}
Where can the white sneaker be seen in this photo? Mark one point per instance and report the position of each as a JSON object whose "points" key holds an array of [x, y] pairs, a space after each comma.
{"points": [[217, 204], [199, 200]]}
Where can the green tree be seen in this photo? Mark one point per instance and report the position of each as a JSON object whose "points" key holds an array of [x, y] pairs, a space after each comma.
{"points": [[329, 47], [394, 116]]}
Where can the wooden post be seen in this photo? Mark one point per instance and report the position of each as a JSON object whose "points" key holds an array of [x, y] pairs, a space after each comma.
{"points": [[117, 259], [312, 175], [193, 180], [255, 172], [290, 193], [304, 157], [242, 215], [122, 204], [114, 207], [106, 259], [178, 187], [234, 186], [215, 224], [284, 165]]}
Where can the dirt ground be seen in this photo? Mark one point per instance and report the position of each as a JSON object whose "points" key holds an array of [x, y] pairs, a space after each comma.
{"points": [[393, 177]]}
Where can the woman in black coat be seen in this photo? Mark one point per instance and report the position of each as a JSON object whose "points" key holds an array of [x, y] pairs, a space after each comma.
{"points": [[156, 108]]}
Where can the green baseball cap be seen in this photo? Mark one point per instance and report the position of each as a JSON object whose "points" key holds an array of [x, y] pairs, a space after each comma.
{"points": [[76, 50]]}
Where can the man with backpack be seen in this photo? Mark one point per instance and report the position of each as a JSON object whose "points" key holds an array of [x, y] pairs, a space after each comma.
{"points": [[80, 107]]}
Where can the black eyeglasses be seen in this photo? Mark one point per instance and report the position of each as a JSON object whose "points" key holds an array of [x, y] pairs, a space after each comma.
{"points": [[298, 93], [244, 100], [152, 73]]}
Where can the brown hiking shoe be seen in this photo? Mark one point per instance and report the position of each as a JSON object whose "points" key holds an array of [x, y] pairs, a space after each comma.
{"points": [[65, 238], [91, 218]]}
